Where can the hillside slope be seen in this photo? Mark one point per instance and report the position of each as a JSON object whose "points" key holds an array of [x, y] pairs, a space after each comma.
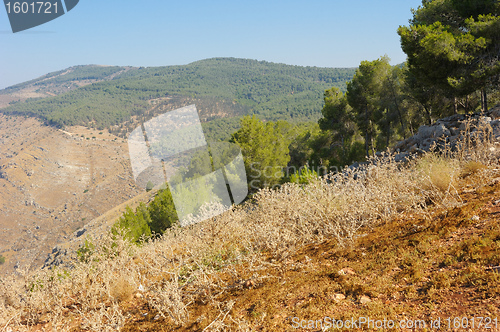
{"points": [[52, 183], [274, 91], [408, 244], [442, 266], [59, 82]]}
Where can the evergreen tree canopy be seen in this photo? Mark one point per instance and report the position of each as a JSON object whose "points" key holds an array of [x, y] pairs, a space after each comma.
{"points": [[454, 45], [338, 118], [265, 148]]}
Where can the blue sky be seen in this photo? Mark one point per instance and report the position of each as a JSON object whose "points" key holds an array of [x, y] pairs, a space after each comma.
{"points": [[323, 33]]}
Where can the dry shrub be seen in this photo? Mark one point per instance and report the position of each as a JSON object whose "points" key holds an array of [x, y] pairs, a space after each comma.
{"points": [[477, 152], [11, 289], [440, 172], [470, 155], [121, 289], [105, 318], [476, 143], [184, 265], [90, 288], [472, 167], [168, 300], [336, 206]]}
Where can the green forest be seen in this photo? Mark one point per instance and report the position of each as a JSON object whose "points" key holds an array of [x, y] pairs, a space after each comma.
{"points": [[453, 50], [272, 91]]}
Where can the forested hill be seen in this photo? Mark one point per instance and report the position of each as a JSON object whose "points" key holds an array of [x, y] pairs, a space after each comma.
{"points": [[60, 81], [223, 87]]}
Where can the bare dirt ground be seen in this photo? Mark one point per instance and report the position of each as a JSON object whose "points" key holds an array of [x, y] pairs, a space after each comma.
{"points": [[52, 183]]}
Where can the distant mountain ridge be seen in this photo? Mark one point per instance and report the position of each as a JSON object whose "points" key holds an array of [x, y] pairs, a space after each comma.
{"points": [[106, 96], [64, 78]]}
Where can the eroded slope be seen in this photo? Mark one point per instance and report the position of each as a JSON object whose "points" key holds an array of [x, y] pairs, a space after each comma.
{"points": [[52, 182]]}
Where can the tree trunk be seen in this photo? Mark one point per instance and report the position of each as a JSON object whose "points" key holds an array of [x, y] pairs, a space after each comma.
{"points": [[371, 138], [366, 133], [484, 100], [388, 137], [366, 145], [394, 97], [455, 104], [344, 152], [398, 110], [411, 128], [428, 112]]}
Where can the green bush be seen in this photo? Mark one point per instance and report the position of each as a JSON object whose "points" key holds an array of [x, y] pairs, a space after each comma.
{"points": [[148, 220], [135, 225], [162, 212], [2, 259], [85, 251], [304, 176]]}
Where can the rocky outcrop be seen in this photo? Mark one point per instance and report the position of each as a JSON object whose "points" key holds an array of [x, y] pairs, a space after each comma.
{"points": [[449, 131], [59, 257]]}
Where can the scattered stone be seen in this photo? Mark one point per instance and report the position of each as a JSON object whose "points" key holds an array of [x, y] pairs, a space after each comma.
{"points": [[401, 157], [495, 181], [495, 269], [80, 232], [248, 284], [449, 129], [347, 270], [413, 148], [364, 299], [435, 131], [475, 218], [339, 297]]}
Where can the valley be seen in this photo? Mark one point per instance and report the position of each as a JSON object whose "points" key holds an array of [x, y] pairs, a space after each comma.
{"points": [[53, 182], [63, 153]]}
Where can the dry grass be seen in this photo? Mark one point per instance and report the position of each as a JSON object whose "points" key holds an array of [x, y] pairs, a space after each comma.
{"points": [[472, 167], [441, 172], [276, 247], [121, 289]]}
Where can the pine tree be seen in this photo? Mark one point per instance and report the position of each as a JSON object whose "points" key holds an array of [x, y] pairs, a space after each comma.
{"points": [[265, 148], [454, 46]]}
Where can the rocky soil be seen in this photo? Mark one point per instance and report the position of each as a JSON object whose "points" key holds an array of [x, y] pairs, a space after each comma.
{"points": [[52, 183], [448, 131]]}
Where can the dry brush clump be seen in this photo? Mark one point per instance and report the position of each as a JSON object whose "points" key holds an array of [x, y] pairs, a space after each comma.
{"points": [[199, 263], [335, 206], [92, 290]]}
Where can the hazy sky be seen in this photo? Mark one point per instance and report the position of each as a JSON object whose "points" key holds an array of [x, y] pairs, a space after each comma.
{"points": [[323, 33]]}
